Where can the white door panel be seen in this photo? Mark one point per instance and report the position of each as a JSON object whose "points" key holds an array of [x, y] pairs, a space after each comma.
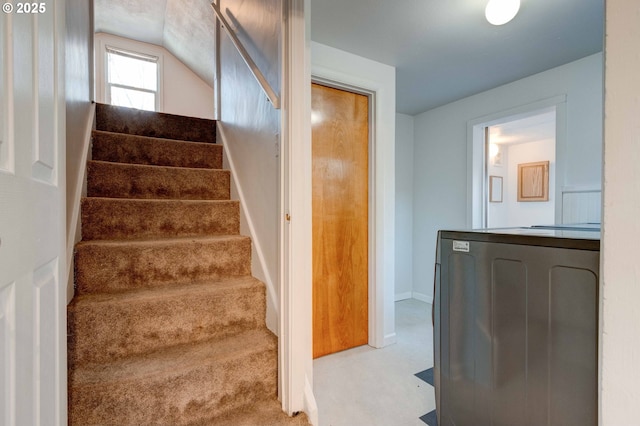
{"points": [[32, 224], [7, 353]]}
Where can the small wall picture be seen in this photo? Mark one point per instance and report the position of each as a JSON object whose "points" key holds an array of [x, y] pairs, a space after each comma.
{"points": [[495, 189], [533, 181]]}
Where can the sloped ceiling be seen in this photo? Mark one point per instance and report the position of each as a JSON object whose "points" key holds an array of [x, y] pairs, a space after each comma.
{"points": [[186, 28]]}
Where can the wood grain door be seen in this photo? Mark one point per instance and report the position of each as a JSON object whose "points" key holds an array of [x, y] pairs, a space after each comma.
{"points": [[340, 139]]}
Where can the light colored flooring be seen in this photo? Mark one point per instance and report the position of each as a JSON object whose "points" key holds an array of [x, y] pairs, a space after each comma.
{"points": [[368, 387]]}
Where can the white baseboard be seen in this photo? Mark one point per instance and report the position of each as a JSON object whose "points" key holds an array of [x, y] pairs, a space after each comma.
{"points": [[390, 339], [403, 296], [427, 298], [310, 405], [259, 269], [74, 232]]}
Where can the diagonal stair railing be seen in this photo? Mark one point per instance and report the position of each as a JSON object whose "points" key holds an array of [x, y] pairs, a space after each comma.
{"points": [[264, 84]]}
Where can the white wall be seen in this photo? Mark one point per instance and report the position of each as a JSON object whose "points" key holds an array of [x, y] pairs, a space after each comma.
{"points": [[404, 207], [511, 212], [440, 151], [251, 129], [182, 91], [336, 65], [620, 316], [79, 118]]}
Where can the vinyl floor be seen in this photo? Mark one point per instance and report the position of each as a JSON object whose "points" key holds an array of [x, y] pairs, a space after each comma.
{"points": [[379, 387]]}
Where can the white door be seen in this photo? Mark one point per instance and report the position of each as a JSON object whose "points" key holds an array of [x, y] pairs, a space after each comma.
{"points": [[32, 215]]}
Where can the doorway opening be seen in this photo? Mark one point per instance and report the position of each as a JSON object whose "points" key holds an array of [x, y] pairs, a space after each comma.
{"points": [[520, 171], [514, 157]]}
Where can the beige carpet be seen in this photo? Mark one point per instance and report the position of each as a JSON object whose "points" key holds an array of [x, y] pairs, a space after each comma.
{"points": [[167, 326]]}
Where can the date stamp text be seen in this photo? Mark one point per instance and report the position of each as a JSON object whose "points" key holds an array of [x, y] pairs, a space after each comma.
{"points": [[24, 8]]}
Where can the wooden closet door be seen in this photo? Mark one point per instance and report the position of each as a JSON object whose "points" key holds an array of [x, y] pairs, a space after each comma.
{"points": [[340, 138]]}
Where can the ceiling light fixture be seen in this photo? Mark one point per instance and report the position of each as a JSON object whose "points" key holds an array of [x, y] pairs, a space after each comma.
{"points": [[499, 12]]}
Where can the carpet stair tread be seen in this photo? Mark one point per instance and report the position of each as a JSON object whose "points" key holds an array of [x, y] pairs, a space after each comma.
{"points": [[144, 320], [162, 241], [126, 148], [263, 413], [123, 180], [117, 265], [179, 385], [166, 291], [154, 124], [123, 218], [174, 360]]}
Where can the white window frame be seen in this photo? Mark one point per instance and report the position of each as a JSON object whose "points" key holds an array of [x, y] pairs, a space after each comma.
{"points": [[133, 55], [105, 42]]}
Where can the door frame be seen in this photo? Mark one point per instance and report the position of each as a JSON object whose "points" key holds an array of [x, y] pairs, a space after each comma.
{"points": [[476, 155], [373, 317], [376, 312], [295, 328]]}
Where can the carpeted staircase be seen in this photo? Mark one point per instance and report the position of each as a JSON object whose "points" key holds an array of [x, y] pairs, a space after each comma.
{"points": [[167, 326]]}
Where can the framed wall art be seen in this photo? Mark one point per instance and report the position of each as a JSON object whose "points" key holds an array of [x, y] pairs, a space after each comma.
{"points": [[533, 181]]}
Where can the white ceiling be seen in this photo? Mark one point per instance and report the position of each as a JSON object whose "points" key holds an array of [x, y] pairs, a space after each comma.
{"points": [[540, 126], [443, 50]]}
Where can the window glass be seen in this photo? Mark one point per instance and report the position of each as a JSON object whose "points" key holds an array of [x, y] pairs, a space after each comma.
{"points": [[129, 71], [132, 79], [133, 98]]}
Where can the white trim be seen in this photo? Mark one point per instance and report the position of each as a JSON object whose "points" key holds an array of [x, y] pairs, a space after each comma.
{"points": [[475, 152], [390, 339], [74, 233], [403, 296], [310, 406], [295, 365], [427, 298]]}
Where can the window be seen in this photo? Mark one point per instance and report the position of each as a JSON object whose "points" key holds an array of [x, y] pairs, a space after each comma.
{"points": [[132, 79]]}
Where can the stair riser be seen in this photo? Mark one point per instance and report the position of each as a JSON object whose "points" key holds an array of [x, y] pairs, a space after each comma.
{"points": [[145, 123], [123, 148], [189, 397], [115, 180], [112, 219], [115, 267], [103, 332]]}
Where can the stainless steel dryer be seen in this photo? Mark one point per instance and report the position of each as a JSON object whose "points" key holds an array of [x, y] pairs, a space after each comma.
{"points": [[516, 327]]}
